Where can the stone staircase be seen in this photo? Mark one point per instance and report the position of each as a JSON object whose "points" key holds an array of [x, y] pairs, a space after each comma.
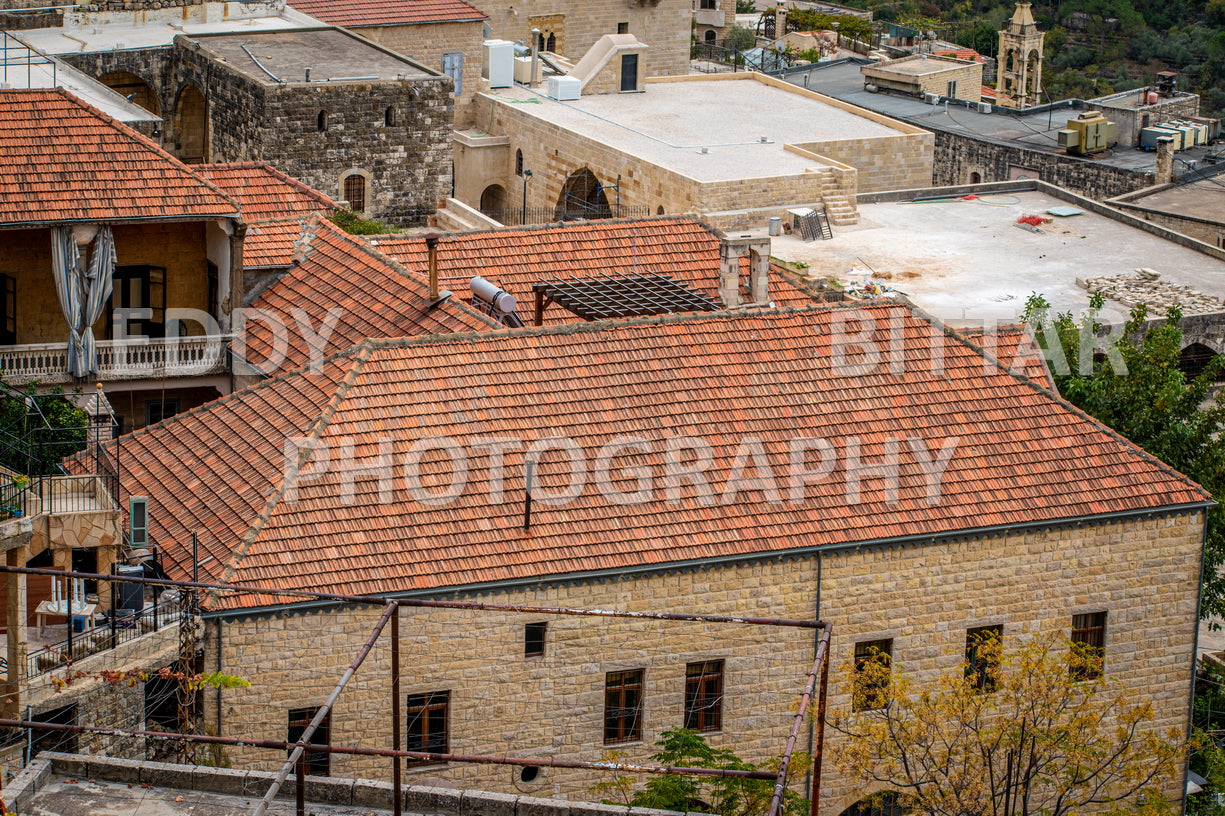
{"points": [[455, 216], [840, 208]]}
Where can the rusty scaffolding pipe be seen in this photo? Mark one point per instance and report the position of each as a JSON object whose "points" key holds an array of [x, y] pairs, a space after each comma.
{"points": [[539, 762], [297, 755], [417, 603], [780, 785]]}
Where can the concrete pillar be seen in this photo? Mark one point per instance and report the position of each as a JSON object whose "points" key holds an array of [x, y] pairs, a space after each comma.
{"points": [[759, 274], [1165, 160], [15, 615], [729, 274], [730, 252]]}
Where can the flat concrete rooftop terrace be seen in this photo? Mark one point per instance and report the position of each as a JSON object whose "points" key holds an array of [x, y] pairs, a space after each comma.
{"points": [[968, 261], [672, 120], [919, 67], [119, 34], [1199, 199], [328, 53]]}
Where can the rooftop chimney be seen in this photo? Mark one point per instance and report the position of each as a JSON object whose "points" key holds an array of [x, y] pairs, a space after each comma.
{"points": [[1164, 173], [431, 246], [730, 252]]}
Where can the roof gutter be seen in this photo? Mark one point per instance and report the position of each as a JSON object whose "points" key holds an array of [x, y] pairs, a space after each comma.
{"points": [[590, 576]]}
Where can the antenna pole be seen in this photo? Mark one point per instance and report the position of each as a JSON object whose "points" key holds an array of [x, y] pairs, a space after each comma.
{"points": [[527, 495]]}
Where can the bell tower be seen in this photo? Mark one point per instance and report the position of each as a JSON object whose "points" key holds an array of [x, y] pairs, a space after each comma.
{"points": [[1018, 78]]}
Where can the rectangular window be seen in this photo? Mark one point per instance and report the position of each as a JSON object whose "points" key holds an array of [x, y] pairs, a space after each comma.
{"points": [[157, 410], [623, 706], [138, 302], [533, 639], [8, 310], [623, 28], [872, 670], [427, 724], [317, 763], [983, 656], [704, 695], [1089, 645], [355, 192], [951, 90]]}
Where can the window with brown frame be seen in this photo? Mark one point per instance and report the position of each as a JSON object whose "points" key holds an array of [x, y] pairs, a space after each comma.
{"points": [[317, 763], [872, 672], [428, 724], [1089, 640], [623, 706], [704, 695], [983, 656], [355, 192]]}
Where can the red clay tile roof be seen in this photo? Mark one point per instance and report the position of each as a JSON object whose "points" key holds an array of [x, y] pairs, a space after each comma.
{"points": [[361, 13], [967, 54], [263, 192], [988, 92], [1020, 455], [270, 243], [373, 296], [515, 258], [62, 160], [1014, 348]]}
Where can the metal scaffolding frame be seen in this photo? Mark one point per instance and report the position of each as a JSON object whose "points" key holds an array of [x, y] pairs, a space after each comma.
{"points": [[815, 687]]}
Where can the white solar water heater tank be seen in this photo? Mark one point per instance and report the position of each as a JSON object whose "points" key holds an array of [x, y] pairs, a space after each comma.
{"points": [[499, 63], [565, 88]]}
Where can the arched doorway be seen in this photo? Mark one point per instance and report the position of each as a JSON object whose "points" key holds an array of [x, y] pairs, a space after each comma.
{"points": [[1194, 359], [134, 88], [709, 35], [493, 202], [191, 126], [582, 197], [976, 178]]}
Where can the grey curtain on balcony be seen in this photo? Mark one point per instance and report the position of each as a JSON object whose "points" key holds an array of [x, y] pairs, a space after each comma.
{"points": [[84, 291]]}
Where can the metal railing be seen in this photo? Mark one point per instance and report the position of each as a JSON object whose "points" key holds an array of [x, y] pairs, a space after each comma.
{"points": [[91, 493], [117, 630], [517, 216], [17, 55], [121, 359]]}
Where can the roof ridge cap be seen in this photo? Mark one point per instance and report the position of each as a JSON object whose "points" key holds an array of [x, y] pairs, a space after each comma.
{"points": [[320, 424], [555, 225]]}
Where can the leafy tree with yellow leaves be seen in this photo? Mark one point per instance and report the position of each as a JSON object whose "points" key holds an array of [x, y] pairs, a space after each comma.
{"points": [[1036, 729]]}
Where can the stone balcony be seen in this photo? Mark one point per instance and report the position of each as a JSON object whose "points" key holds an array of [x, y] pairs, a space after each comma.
{"points": [[128, 359]]}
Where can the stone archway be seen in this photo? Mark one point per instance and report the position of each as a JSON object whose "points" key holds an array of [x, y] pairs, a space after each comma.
{"points": [[1194, 359], [582, 197], [134, 88], [884, 803], [191, 126], [493, 202]]}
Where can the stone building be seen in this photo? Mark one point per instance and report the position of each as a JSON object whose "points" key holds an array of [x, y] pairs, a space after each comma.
{"points": [[258, 82], [1018, 81], [713, 19], [776, 147], [935, 487], [1132, 111], [922, 75], [176, 266], [446, 35]]}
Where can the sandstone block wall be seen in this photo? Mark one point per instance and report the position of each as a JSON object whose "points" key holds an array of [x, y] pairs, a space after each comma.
{"points": [[898, 162], [427, 43], [1142, 572], [1131, 117], [663, 25], [957, 157]]}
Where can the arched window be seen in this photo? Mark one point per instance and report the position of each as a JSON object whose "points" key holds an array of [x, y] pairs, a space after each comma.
{"points": [[518, 162], [976, 178], [355, 192], [659, 210], [551, 44], [540, 41], [389, 116], [1194, 359], [321, 121], [191, 126], [710, 35]]}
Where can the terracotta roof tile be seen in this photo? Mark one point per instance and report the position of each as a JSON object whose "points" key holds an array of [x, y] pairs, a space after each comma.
{"points": [[515, 258], [338, 274], [1014, 348], [263, 192], [360, 13], [1020, 455], [64, 161]]}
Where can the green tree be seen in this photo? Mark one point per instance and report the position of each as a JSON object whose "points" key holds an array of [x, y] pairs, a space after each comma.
{"points": [[745, 7], [730, 796], [1137, 388], [38, 431], [1050, 734], [354, 224]]}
